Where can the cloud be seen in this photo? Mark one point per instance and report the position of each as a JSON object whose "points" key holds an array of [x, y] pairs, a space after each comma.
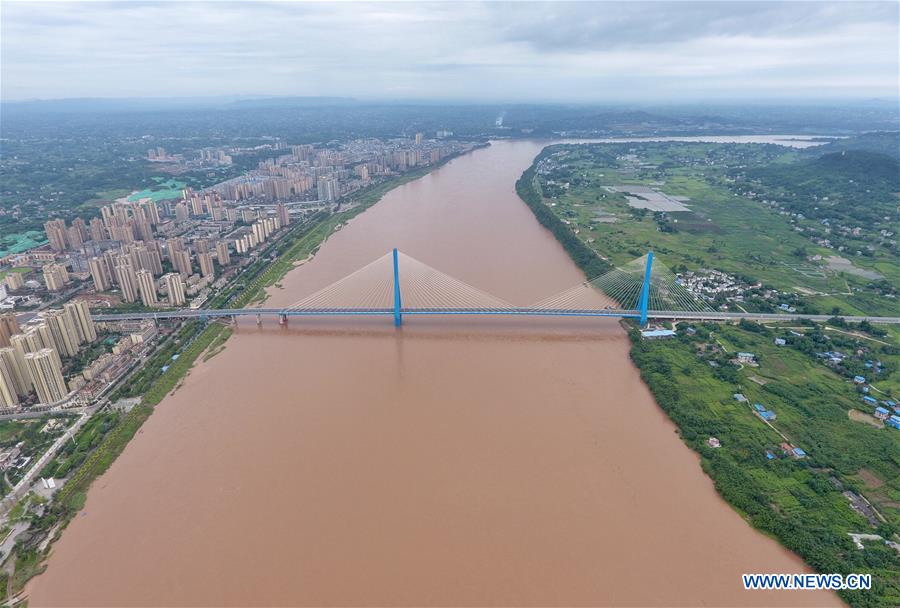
{"points": [[584, 51]]}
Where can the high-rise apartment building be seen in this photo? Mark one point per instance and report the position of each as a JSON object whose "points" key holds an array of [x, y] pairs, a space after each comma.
{"points": [[127, 279], [15, 363], [81, 314], [98, 230], [14, 281], [206, 264], [283, 214], [328, 189], [174, 288], [76, 240], [181, 261], [100, 273], [147, 287], [8, 395], [57, 234], [55, 276], [63, 331], [9, 326], [46, 374], [20, 344], [222, 253]]}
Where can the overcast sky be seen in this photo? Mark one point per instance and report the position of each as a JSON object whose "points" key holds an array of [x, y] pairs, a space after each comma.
{"points": [[586, 51]]}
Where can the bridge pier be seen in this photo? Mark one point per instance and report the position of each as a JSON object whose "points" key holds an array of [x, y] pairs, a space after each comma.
{"points": [[259, 319], [282, 319]]}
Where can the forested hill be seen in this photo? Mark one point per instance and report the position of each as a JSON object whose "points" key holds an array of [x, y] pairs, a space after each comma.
{"points": [[882, 142], [838, 174], [850, 196], [876, 168]]}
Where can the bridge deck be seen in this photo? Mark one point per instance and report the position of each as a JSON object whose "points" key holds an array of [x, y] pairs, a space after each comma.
{"points": [[209, 313]]}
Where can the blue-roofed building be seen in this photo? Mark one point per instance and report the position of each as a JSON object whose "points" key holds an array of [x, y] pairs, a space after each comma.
{"points": [[739, 397], [870, 400], [780, 341], [894, 421], [767, 415], [799, 453], [881, 413], [656, 334], [770, 455], [759, 407], [859, 379]]}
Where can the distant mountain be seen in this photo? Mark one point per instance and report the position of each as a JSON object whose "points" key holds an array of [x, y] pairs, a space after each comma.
{"points": [[287, 102], [89, 105]]}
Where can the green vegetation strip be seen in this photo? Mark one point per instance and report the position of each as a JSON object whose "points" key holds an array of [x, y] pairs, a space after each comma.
{"points": [[583, 256], [72, 495]]}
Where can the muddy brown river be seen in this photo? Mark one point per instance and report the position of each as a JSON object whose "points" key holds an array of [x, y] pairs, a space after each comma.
{"points": [[458, 461]]}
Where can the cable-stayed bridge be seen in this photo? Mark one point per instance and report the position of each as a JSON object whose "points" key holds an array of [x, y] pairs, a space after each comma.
{"points": [[397, 285]]}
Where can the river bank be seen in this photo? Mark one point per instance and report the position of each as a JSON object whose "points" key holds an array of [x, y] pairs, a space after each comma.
{"points": [[160, 376], [799, 502]]}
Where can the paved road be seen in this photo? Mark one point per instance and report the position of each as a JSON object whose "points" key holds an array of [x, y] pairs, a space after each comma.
{"points": [[24, 484]]}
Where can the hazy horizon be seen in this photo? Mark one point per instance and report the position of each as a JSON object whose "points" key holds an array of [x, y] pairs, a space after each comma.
{"points": [[581, 53]]}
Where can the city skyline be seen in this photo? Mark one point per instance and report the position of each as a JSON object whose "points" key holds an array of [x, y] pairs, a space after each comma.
{"points": [[578, 52]]}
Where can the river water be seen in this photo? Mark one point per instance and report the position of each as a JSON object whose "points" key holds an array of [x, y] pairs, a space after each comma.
{"points": [[452, 462]]}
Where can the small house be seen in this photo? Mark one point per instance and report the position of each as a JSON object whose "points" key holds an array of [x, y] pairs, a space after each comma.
{"points": [[713, 442], [759, 407], [767, 415], [881, 413], [799, 453], [739, 397], [870, 400], [894, 421], [859, 379], [780, 341], [746, 358]]}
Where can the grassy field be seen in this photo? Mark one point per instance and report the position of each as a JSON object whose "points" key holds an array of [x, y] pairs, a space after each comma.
{"points": [[721, 230], [18, 269]]}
